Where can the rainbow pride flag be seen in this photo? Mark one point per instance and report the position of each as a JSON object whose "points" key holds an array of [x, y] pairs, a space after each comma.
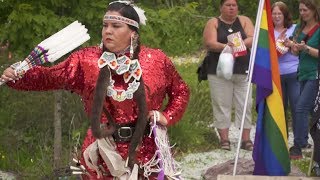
{"points": [[270, 152]]}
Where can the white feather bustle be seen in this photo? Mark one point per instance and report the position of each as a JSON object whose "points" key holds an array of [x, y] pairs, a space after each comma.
{"points": [[53, 48]]}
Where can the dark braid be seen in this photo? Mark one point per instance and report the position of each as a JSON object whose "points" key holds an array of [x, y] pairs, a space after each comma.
{"points": [[139, 96], [98, 100]]}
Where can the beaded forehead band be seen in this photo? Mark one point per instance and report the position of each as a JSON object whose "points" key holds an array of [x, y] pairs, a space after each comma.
{"points": [[121, 19], [128, 21], [123, 2]]}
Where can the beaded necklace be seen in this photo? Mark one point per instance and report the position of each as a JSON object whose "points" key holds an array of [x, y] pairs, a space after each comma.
{"points": [[230, 30], [123, 65]]}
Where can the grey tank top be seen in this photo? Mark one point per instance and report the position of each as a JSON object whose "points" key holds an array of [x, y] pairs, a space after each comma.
{"points": [[241, 63]]}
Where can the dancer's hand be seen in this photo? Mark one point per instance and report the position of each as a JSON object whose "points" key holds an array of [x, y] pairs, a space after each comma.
{"points": [[161, 119], [9, 75]]}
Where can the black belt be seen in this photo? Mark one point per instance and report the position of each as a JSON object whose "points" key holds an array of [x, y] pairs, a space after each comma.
{"points": [[124, 133]]}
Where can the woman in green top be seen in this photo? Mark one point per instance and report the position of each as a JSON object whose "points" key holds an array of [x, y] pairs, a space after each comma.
{"points": [[305, 44]]}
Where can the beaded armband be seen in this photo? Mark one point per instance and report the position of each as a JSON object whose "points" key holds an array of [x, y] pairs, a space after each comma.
{"points": [[15, 65]]}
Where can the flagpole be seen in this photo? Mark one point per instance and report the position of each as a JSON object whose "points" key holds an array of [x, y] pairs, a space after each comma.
{"points": [[251, 65]]}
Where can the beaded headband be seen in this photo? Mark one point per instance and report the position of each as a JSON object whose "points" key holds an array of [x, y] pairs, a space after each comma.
{"points": [[121, 19], [140, 12], [122, 1]]}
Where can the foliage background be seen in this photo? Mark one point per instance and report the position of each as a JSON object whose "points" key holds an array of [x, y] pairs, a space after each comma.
{"points": [[173, 25], [26, 118]]}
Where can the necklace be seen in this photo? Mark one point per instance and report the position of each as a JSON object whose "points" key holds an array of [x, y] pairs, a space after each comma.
{"points": [[230, 30], [122, 66], [122, 94]]}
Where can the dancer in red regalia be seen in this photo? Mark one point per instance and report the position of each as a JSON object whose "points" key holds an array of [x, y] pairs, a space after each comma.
{"points": [[123, 86]]}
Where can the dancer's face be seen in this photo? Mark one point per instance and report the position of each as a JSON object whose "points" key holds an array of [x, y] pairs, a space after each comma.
{"points": [[115, 35]]}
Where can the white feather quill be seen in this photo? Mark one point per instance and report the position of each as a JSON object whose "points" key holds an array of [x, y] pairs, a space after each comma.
{"points": [[141, 15], [54, 47]]}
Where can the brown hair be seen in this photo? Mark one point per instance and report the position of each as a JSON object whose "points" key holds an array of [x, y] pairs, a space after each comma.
{"points": [[287, 21], [312, 5]]}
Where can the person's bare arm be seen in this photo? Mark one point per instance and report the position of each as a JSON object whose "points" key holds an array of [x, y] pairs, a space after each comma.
{"points": [[210, 36], [248, 28]]}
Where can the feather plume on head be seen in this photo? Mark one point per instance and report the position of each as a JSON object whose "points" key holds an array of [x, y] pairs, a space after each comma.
{"points": [[141, 15]]}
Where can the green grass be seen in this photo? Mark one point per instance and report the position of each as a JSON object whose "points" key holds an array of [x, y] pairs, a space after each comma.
{"points": [[192, 133], [199, 115], [26, 128]]}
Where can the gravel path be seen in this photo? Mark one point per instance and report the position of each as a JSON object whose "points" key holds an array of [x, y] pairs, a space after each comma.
{"points": [[194, 165], [6, 176]]}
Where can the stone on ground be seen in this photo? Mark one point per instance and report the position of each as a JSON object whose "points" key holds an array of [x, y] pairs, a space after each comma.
{"points": [[244, 167]]}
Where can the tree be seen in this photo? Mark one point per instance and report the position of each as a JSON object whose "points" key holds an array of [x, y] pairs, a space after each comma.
{"points": [[57, 130], [27, 23]]}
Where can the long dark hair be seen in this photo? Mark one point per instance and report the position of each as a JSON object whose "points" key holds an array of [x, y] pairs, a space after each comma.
{"points": [[101, 88]]}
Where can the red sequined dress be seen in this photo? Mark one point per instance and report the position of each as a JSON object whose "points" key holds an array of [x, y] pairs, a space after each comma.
{"points": [[79, 73]]}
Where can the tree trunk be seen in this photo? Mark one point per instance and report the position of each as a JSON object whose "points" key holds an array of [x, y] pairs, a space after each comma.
{"points": [[57, 130]]}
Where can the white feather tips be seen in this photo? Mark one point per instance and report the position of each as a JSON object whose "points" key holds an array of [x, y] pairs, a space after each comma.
{"points": [[55, 47], [141, 15], [65, 40]]}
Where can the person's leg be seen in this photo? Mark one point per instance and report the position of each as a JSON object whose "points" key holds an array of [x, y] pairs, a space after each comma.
{"points": [[304, 107], [293, 93], [315, 134], [285, 98], [240, 93], [221, 98], [224, 139]]}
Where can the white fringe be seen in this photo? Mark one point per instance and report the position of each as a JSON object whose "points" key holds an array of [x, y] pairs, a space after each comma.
{"points": [[106, 148], [162, 160], [152, 166], [170, 166]]}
